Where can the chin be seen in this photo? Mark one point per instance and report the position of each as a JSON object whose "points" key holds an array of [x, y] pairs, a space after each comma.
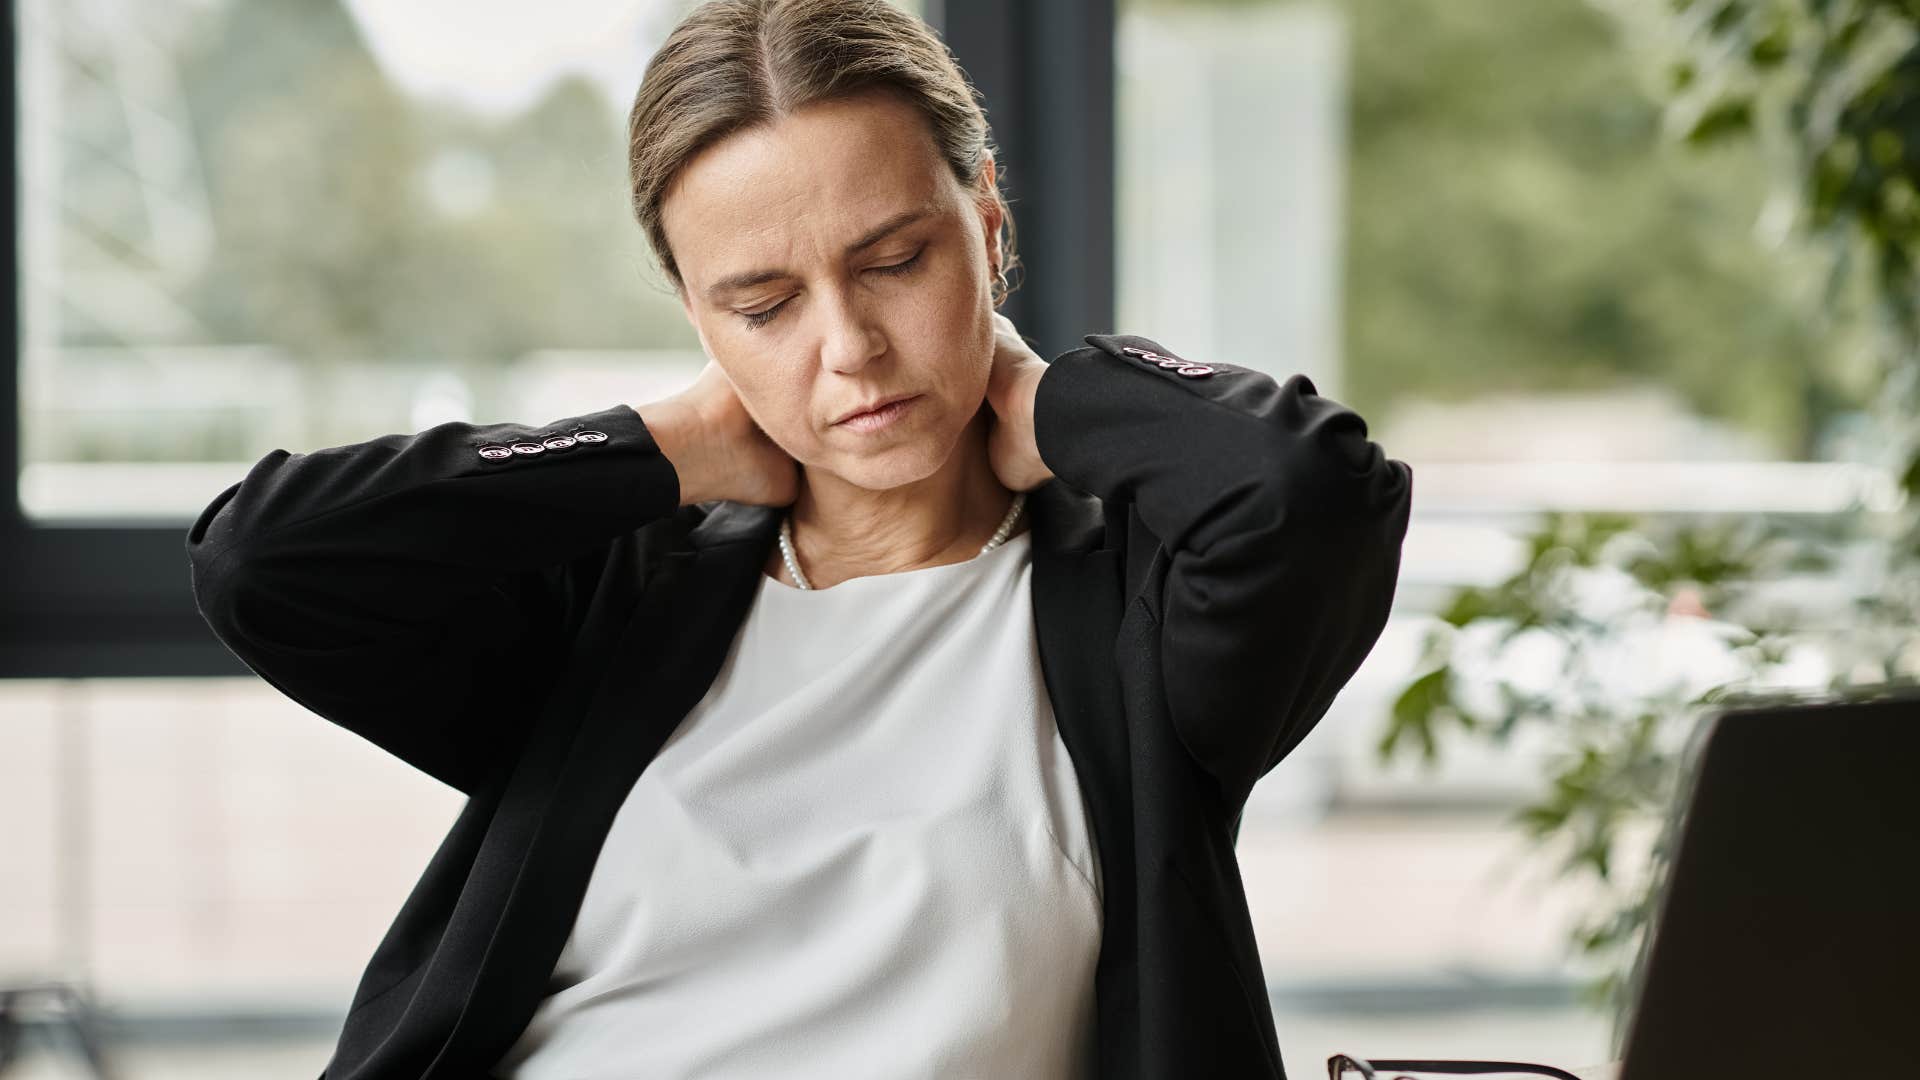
{"points": [[891, 466]]}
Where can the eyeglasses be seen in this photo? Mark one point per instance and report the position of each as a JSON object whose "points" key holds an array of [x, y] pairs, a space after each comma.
{"points": [[1346, 1066]]}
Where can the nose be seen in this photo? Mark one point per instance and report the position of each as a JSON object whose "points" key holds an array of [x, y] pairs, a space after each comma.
{"points": [[851, 335]]}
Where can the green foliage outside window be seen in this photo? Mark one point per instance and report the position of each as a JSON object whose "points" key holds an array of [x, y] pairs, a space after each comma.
{"points": [[1827, 93], [1516, 221]]}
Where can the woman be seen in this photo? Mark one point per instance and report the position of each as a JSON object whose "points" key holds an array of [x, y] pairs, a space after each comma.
{"points": [[796, 742]]}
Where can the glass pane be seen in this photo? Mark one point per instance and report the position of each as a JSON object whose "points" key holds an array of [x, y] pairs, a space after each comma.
{"points": [[1459, 217], [250, 224], [1462, 218]]}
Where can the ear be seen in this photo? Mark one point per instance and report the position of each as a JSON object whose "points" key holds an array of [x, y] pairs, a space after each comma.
{"points": [[990, 213]]}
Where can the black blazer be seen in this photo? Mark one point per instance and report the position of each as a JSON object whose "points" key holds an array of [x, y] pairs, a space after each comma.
{"points": [[1215, 555]]}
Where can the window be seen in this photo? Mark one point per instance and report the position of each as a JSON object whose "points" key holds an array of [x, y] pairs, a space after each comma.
{"points": [[1461, 218], [247, 225]]}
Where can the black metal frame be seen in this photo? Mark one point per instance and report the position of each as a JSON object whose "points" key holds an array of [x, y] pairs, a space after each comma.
{"points": [[90, 600], [1339, 1065]]}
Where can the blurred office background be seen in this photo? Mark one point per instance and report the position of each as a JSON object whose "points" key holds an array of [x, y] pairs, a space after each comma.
{"points": [[254, 224]]}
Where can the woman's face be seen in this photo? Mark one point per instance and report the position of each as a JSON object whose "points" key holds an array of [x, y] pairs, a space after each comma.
{"points": [[830, 260]]}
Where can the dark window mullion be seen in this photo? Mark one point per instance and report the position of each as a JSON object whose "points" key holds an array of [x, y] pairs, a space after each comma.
{"points": [[1046, 72]]}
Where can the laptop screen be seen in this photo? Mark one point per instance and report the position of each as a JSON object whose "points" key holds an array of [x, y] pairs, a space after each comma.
{"points": [[1786, 941]]}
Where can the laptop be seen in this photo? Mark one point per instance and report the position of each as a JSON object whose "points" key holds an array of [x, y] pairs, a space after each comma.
{"points": [[1786, 937]]}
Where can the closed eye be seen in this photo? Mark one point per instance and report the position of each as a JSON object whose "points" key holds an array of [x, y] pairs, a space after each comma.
{"points": [[757, 319], [900, 267]]}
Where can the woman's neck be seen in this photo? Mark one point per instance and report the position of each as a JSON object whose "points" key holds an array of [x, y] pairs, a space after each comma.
{"points": [[842, 530]]}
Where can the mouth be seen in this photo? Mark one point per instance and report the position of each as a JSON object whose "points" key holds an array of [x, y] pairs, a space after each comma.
{"points": [[873, 408], [886, 418]]}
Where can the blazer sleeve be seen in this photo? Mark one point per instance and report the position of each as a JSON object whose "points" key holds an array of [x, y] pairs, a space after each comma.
{"points": [[1283, 524], [411, 588]]}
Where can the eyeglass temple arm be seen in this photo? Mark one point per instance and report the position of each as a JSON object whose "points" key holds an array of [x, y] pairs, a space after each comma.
{"points": [[1451, 1067]]}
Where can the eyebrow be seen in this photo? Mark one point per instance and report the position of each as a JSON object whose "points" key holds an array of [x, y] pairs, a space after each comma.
{"points": [[880, 232]]}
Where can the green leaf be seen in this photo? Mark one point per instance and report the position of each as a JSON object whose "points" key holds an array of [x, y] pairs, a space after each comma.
{"points": [[1910, 477], [1727, 119], [1886, 148], [1466, 606], [1770, 49], [1541, 819], [1415, 713]]}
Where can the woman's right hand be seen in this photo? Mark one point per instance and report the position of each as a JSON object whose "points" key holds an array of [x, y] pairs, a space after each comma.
{"points": [[717, 448]]}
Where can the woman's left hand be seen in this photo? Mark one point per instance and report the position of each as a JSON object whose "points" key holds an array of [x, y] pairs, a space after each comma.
{"points": [[1011, 448]]}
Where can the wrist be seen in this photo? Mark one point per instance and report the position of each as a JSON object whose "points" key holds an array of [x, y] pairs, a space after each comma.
{"points": [[1030, 399], [680, 434]]}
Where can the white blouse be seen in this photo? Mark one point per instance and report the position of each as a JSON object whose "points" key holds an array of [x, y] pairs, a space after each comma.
{"points": [[862, 854]]}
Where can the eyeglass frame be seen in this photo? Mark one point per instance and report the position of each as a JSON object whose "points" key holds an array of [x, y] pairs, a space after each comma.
{"points": [[1338, 1064]]}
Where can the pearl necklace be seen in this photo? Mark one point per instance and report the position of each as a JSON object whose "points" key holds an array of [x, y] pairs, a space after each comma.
{"points": [[793, 564]]}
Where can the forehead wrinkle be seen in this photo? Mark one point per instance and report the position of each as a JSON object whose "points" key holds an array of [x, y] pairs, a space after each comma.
{"points": [[795, 189]]}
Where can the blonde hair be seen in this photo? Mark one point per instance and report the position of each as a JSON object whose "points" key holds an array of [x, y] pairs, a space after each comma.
{"points": [[734, 64]]}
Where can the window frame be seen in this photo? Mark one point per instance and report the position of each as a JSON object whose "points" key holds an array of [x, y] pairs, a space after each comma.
{"points": [[99, 599]]}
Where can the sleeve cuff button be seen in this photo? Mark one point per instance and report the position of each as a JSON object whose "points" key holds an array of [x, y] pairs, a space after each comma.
{"points": [[590, 436], [495, 453], [1169, 363]]}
